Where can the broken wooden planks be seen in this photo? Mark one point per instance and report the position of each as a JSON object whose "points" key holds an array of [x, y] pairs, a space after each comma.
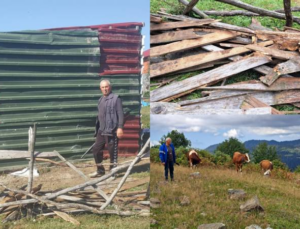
{"points": [[190, 61], [291, 66], [193, 43], [252, 102], [211, 76], [175, 36], [180, 24]]}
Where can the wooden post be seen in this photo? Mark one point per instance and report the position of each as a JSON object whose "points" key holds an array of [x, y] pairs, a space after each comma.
{"points": [[190, 6], [31, 146], [288, 13]]}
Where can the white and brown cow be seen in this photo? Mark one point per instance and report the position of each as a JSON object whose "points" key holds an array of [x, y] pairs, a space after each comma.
{"points": [[239, 159], [266, 166], [193, 158]]}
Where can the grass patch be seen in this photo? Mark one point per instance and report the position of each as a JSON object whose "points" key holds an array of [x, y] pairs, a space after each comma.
{"points": [[208, 195], [145, 111]]}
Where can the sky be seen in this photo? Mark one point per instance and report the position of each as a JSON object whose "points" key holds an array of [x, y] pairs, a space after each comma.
{"points": [[38, 14], [204, 131]]}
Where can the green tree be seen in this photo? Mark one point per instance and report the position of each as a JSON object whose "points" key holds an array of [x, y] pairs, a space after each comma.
{"points": [[264, 152], [230, 146], [178, 139], [221, 158], [280, 165]]}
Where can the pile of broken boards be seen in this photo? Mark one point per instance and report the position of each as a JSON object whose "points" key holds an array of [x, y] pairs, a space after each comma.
{"points": [[126, 203], [184, 44]]}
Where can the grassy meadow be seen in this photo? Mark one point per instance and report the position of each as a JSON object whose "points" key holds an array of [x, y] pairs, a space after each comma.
{"points": [[209, 202]]}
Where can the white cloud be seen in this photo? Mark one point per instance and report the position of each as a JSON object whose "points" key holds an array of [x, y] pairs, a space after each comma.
{"points": [[154, 143], [269, 131], [232, 133]]}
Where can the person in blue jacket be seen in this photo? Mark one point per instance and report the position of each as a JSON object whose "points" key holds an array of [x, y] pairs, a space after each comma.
{"points": [[168, 157]]}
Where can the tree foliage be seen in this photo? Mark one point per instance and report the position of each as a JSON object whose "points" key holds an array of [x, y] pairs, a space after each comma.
{"points": [[264, 152], [230, 146], [178, 139]]}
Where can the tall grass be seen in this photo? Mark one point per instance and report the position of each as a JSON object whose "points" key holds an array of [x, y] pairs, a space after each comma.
{"points": [[210, 203]]}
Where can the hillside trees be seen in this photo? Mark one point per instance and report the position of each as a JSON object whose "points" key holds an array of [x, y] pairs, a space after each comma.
{"points": [[230, 146], [264, 152]]}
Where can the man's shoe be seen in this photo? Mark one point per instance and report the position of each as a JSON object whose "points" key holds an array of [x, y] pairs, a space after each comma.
{"points": [[96, 174]]}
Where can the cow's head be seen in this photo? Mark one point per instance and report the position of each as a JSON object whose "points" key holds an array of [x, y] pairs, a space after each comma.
{"points": [[247, 158]]}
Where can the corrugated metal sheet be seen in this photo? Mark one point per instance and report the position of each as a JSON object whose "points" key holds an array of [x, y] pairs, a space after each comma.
{"points": [[52, 78]]}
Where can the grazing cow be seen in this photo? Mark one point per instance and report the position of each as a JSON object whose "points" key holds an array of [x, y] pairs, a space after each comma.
{"points": [[239, 159], [193, 158], [266, 166]]}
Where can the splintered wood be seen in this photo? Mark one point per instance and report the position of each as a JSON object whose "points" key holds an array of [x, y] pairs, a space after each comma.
{"points": [[181, 44]]}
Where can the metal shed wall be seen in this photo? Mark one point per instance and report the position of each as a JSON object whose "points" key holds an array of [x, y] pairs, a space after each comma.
{"points": [[52, 78]]}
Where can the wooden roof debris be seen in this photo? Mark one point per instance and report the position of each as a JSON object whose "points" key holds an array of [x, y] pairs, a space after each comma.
{"points": [[209, 45]]}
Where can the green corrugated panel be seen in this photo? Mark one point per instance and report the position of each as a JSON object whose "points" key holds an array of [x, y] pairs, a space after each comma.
{"points": [[52, 78]]}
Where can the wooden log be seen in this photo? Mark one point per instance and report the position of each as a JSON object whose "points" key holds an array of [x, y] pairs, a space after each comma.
{"points": [[190, 6], [206, 78], [195, 9], [225, 13], [254, 85], [190, 61], [288, 13], [145, 147], [76, 187], [260, 11], [290, 66], [193, 43], [216, 24], [283, 55], [172, 36], [154, 19], [180, 24]]}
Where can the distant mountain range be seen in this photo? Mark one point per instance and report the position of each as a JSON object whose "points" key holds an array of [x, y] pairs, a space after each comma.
{"points": [[288, 151]]}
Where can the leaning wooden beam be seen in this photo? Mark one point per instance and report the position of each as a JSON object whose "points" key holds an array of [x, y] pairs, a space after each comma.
{"points": [[17, 154], [173, 108], [175, 36], [260, 11], [190, 61], [209, 77], [70, 189], [290, 66], [195, 9], [138, 157], [181, 24], [190, 6], [283, 55], [193, 43], [254, 85]]}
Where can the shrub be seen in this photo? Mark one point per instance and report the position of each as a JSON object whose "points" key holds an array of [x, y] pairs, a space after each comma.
{"points": [[297, 170], [222, 158], [154, 155]]}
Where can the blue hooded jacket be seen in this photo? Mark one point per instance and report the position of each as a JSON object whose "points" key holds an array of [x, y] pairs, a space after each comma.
{"points": [[163, 153]]}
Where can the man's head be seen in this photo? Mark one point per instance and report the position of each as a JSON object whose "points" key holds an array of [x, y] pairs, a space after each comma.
{"points": [[105, 87], [168, 141]]}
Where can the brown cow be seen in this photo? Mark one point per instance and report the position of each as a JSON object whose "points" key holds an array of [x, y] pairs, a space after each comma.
{"points": [[193, 158], [239, 159], [266, 166]]}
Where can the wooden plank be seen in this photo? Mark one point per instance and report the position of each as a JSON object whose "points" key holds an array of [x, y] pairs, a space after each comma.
{"points": [[277, 53], [209, 77], [290, 66], [255, 85], [193, 43], [190, 61], [154, 19], [173, 108], [230, 45], [252, 102], [17, 154], [180, 24], [175, 36]]}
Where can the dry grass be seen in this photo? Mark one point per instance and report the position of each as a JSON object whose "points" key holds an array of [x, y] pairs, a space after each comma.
{"points": [[208, 195]]}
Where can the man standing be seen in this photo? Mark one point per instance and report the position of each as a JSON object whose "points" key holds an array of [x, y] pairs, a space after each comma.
{"points": [[168, 157], [109, 127]]}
